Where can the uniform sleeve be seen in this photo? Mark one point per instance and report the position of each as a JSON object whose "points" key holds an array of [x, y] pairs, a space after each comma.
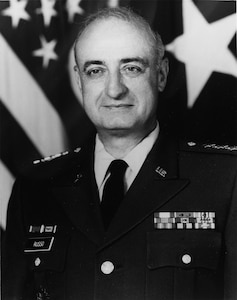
{"points": [[231, 249], [15, 277]]}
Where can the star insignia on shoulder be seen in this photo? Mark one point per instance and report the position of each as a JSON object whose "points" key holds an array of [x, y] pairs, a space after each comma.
{"points": [[220, 147], [52, 157], [194, 146]]}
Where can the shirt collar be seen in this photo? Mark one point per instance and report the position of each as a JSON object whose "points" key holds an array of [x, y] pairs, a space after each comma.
{"points": [[102, 161], [135, 158]]}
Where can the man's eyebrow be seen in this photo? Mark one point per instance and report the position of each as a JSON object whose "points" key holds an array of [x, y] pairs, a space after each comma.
{"points": [[123, 61], [92, 62], [140, 60]]}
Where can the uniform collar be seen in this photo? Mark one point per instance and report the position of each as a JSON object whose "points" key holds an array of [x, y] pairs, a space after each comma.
{"points": [[135, 158]]}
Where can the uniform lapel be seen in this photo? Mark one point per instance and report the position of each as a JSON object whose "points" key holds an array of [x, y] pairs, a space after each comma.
{"points": [[78, 196], [156, 184]]}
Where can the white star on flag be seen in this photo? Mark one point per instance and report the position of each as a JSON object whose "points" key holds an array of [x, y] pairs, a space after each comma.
{"points": [[47, 10], [113, 3], [16, 11], [73, 7], [46, 51], [203, 48]]}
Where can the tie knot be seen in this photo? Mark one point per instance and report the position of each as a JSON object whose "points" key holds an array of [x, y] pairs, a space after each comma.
{"points": [[118, 166]]}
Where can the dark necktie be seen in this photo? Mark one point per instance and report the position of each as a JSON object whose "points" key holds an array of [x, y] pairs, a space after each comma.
{"points": [[113, 190]]}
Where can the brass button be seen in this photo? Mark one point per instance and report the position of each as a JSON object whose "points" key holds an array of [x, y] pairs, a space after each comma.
{"points": [[186, 259], [37, 261], [107, 267]]}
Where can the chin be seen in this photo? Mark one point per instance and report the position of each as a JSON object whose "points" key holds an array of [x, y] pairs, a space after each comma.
{"points": [[118, 123]]}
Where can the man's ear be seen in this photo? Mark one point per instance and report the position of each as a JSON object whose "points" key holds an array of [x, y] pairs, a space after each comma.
{"points": [[162, 74], [78, 80]]}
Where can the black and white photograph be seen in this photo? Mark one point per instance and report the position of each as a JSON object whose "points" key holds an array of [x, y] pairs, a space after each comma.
{"points": [[118, 149]]}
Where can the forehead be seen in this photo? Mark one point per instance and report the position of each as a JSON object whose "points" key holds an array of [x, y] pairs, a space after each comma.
{"points": [[113, 39]]}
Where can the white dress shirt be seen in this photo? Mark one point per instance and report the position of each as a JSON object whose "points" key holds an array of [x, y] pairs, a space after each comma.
{"points": [[135, 159]]}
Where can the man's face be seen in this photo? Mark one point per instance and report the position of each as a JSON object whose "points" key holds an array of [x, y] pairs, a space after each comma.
{"points": [[118, 77]]}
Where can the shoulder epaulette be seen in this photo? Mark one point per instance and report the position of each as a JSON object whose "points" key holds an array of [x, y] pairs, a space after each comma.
{"points": [[198, 147], [52, 157]]}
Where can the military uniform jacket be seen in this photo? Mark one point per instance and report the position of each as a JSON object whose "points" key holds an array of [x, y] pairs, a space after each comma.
{"points": [[173, 237]]}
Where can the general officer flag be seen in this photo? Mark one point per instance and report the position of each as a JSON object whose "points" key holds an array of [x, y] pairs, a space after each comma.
{"points": [[40, 112]]}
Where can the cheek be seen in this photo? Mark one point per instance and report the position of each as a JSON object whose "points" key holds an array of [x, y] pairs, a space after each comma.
{"points": [[144, 83], [147, 101], [91, 91], [145, 92]]}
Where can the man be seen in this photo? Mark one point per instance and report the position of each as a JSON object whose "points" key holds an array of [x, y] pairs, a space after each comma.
{"points": [[71, 234]]}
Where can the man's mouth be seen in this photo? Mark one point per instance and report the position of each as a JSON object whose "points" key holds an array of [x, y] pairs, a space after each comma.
{"points": [[114, 106]]}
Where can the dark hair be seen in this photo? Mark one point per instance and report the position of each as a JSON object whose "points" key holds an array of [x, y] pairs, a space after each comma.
{"points": [[128, 15]]}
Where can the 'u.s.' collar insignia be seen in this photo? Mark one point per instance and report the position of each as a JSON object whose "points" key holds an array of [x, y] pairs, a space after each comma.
{"points": [[161, 171], [40, 238], [184, 220], [78, 177]]}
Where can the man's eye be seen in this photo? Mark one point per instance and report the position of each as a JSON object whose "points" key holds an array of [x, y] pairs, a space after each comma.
{"points": [[132, 70], [94, 72]]}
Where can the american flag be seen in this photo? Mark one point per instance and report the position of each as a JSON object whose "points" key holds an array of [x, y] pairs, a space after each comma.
{"points": [[39, 110]]}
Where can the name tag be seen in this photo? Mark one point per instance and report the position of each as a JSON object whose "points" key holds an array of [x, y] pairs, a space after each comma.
{"points": [[37, 244]]}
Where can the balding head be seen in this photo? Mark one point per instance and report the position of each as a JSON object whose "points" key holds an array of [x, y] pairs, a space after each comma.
{"points": [[128, 16]]}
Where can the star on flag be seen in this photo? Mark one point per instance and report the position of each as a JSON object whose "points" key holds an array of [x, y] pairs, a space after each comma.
{"points": [[73, 7], [17, 11], [203, 48], [113, 3], [47, 10], [46, 51]]}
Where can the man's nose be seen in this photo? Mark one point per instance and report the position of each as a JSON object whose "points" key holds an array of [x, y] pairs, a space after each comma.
{"points": [[115, 87]]}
